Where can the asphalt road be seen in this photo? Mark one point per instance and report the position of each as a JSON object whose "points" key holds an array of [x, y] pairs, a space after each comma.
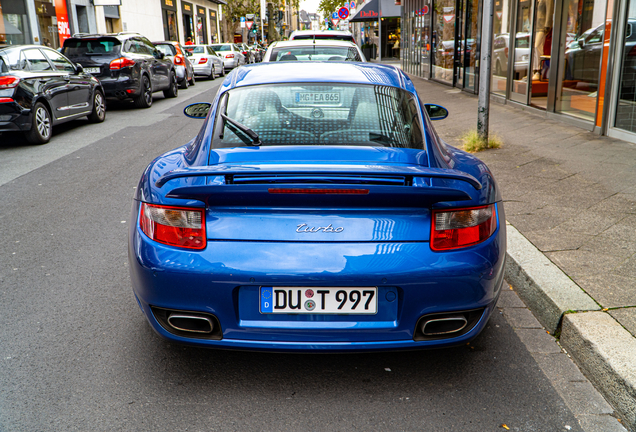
{"points": [[76, 353]]}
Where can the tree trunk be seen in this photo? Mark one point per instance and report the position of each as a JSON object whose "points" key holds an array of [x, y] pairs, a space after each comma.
{"points": [[271, 23]]}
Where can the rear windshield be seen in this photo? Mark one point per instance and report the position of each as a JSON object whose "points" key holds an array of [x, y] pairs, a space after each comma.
{"points": [[315, 53], [348, 38], [166, 49], [91, 47], [311, 114], [222, 47], [198, 50]]}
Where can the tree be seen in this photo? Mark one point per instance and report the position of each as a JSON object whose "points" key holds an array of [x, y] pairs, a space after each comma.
{"points": [[327, 7], [235, 9]]}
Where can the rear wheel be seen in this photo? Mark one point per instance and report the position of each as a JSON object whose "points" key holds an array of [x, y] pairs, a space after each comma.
{"points": [[99, 108], [212, 74], [144, 100], [192, 81], [41, 126], [184, 84], [173, 90]]}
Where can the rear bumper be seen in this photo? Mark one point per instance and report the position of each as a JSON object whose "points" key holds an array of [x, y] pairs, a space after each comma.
{"points": [[14, 118], [203, 69], [224, 280], [121, 88]]}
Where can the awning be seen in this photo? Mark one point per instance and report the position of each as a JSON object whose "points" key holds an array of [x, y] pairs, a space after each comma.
{"points": [[369, 11]]}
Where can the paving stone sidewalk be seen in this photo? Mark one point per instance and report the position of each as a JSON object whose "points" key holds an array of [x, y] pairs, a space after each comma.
{"points": [[570, 196], [570, 192]]}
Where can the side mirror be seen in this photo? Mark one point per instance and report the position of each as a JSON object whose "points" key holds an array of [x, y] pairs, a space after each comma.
{"points": [[159, 54], [436, 112], [581, 43], [197, 110], [79, 68], [189, 54]]}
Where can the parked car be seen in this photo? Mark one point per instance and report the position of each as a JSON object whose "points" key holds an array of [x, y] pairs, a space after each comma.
{"points": [[250, 56], [41, 88], [179, 56], [128, 65], [259, 52], [317, 210], [205, 61], [230, 54], [322, 34], [500, 54], [318, 50]]}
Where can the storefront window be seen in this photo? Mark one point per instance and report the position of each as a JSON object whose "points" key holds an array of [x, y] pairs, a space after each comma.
{"points": [[169, 15], [626, 107], [501, 49], [443, 40], [213, 27], [202, 28], [53, 22], [520, 49], [188, 23], [583, 51], [541, 53], [14, 25], [469, 44]]}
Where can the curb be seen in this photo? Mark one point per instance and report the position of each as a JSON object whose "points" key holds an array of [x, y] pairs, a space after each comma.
{"points": [[598, 344]]}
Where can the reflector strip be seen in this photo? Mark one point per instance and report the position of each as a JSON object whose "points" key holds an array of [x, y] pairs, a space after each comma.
{"points": [[319, 191]]}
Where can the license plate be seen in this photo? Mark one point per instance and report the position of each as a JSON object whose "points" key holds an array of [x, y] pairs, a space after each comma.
{"points": [[320, 98], [92, 70], [319, 300]]}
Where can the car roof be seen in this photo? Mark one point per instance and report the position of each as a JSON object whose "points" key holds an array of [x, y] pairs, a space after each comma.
{"points": [[321, 72], [320, 32], [321, 42]]}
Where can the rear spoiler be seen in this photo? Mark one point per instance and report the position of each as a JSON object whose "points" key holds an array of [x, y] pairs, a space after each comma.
{"points": [[319, 170]]}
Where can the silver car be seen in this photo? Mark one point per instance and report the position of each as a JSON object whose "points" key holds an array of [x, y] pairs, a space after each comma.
{"points": [[230, 53], [205, 61], [179, 56]]}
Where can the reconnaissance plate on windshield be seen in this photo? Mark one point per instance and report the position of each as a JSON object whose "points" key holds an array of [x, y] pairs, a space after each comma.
{"points": [[318, 98]]}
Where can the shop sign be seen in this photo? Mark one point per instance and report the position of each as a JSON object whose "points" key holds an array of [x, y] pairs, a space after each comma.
{"points": [[368, 14], [186, 8], [63, 26], [169, 4]]}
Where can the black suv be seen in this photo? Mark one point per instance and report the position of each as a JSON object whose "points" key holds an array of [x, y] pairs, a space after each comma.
{"points": [[127, 64]]}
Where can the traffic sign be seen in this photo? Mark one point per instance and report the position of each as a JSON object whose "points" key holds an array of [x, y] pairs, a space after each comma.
{"points": [[352, 5], [334, 22], [346, 5], [334, 16], [242, 22], [249, 24], [343, 13]]}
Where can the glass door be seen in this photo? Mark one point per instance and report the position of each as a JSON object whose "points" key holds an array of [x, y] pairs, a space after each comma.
{"points": [[472, 18], [541, 52], [625, 105], [519, 46], [443, 41], [500, 49]]}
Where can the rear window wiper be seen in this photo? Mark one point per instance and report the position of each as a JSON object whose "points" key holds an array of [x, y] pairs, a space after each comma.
{"points": [[247, 131]]}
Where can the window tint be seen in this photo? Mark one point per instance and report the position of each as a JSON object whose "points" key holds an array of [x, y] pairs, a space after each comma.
{"points": [[91, 47], [315, 53], [222, 47], [168, 50], [36, 60], [197, 50], [60, 62], [309, 114]]}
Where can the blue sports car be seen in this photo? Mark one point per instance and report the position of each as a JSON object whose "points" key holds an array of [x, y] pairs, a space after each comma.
{"points": [[317, 210]]}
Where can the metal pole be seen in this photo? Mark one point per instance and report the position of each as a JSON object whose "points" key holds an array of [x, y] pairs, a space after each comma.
{"points": [[262, 19], [379, 30], [483, 107]]}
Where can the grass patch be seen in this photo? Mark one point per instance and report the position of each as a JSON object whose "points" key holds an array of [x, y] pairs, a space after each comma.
{"points": [[473, 142]]}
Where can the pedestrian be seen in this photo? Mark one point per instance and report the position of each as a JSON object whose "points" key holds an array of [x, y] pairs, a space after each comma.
{"points": [[189, 41]]}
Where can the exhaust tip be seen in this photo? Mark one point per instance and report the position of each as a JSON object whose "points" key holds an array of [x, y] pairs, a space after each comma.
{"points": [[444, 326], [188, 324], [191, 323]]}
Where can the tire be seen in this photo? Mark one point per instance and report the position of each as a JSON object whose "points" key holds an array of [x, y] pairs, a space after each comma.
{"points": [[212, 74], [41, 126], [173, 90], [144, 100], [223, 71], [192, 81], [184, 84], [98, 114]]}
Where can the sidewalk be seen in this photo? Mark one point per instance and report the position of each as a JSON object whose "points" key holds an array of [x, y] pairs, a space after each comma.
{"points": [[569, 196]]}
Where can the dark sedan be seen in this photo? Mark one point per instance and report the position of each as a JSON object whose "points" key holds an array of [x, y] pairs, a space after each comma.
{"points": [[40, 88], [127, 64]]}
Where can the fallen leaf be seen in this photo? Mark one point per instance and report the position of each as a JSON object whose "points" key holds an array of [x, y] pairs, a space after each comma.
{"points": [[505, 426]]}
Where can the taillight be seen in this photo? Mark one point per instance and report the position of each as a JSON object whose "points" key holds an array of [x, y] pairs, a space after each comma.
{"points": [[121, 63], [203, 60], [178, 60], [174, 226], [453, 229], [229, 55], [9, 81], [6, 100], [632, 52]]}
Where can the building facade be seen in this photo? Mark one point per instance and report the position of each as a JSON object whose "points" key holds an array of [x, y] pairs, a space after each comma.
{"points": [[574, 60], [50, 22]]}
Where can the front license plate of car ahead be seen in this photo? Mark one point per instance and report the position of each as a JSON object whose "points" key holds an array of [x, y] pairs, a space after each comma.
{"points": [[319, 300], [318, 98], [92, 70]]}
